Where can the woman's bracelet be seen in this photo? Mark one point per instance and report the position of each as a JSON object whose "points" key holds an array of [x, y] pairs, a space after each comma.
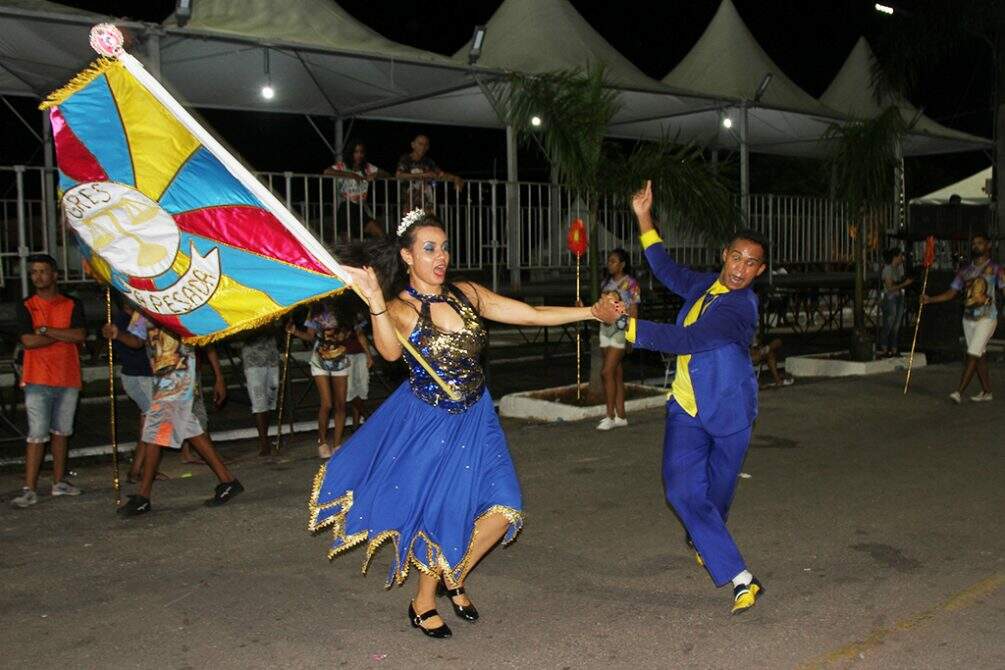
{"points": [[378, 313]]}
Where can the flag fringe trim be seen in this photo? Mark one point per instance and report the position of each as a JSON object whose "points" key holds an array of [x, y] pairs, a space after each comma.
{"points": [[79, 81]]}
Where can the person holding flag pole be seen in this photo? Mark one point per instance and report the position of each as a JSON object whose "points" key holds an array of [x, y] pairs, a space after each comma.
{"points": [[980, 282], [430, 470]]}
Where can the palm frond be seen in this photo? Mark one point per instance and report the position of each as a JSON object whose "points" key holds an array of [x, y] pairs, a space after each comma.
{"points": [[575, 108], [863, 158], [691, 193]]}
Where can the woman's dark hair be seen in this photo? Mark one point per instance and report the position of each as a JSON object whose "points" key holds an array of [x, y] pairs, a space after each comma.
{"points": [[623, 257], [383, 254], [890, 254], [350, 148]]}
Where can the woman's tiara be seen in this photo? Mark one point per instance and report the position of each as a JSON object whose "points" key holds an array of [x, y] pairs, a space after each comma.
{"points": [[409, 219]]}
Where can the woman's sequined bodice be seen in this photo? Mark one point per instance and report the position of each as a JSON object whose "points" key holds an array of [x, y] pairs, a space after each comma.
{"points": [[454, 355]]}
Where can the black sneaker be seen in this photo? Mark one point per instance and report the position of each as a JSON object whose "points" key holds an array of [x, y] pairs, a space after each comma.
{"points": [[224, 492], [135, 506]]}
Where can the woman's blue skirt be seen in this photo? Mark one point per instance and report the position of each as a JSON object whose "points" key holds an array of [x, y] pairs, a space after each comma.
{"points": [[420, 477]]}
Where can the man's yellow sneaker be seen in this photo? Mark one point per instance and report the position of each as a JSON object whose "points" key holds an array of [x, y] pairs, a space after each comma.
{"points": [[745, 595], [697, 557]]}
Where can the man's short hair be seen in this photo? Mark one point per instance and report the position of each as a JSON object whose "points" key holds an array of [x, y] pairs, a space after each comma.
{"points": [[891, 253], [43, 258], [982, 236], [751, 235]]}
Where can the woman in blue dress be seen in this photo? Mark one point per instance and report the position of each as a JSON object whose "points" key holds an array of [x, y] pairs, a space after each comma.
{"points": [[429, 472]]}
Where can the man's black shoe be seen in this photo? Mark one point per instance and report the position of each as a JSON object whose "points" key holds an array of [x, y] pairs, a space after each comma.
{"points": [[135, 506], [224, 492]]}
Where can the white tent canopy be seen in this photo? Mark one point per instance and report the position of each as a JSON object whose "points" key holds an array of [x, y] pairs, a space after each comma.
{"points": [[727, 64], [971, 191], [42, 45], [851, 93]]}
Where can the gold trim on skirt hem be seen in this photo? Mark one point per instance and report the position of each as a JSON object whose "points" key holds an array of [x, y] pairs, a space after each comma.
{"points": [[435, 563]]}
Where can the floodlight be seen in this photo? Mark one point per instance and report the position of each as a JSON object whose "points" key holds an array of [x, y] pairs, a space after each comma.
{"points": [[267, 91], [535, 121], [183, 12], [727, 123], [477, 40], [886, 9]]}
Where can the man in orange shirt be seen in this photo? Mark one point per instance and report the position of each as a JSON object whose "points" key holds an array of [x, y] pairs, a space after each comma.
{"points": [[51, 327]]}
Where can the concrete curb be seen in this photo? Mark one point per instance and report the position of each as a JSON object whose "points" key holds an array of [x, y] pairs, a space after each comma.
{"points": [[523, 406]]}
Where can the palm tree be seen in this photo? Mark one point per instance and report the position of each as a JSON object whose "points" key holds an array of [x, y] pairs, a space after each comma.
{"points": [[577, 109], [863, 160]]}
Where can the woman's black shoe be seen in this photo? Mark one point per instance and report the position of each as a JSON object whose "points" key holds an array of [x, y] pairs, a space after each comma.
{"points": [[416, 619], [466, 612]]}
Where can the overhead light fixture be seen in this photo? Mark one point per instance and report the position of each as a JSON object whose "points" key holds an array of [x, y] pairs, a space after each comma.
{"points": [[477, 40], [183, 12], [267, 91], [727, 123], [885, 9], [535, 121], [763, 86]]}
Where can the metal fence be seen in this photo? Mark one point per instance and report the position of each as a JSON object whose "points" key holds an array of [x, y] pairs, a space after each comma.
{"points": [[806, 233]]}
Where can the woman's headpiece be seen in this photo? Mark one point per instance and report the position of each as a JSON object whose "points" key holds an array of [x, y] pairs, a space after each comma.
{"points": [[409, 219]]}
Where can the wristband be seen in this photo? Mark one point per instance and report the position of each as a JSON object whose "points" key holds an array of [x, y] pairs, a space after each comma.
{"points": [[621, 323], [378, 313]]}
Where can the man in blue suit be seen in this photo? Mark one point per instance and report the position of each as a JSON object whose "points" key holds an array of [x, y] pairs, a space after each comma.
{"points": [[713, 401]]}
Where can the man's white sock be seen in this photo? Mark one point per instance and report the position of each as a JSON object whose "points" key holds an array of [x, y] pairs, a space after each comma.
{"points": [[743, 578]]}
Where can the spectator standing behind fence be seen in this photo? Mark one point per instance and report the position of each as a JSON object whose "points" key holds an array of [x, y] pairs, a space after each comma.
{"points": [[134, 373], [354, 178], [51, 328], [892, 290], [260, 360], [420, 171], [980, 282], [357, 349], [622, 286], [329, 367]]}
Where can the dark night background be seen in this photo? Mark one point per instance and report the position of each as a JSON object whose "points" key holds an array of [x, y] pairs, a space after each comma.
{"points": [[808, 40]]}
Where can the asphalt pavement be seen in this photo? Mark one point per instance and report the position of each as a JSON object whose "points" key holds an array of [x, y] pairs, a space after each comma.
{"points": [[874, 520]]}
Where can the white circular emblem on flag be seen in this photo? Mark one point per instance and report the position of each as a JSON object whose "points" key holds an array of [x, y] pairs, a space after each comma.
{"points": [[125, 227]]}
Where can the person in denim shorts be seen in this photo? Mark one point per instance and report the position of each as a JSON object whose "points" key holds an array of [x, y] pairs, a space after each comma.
{"points": [[51, 327]]}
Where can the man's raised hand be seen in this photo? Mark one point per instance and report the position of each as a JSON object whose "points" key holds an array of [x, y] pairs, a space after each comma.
{"points": [[642, 201]]}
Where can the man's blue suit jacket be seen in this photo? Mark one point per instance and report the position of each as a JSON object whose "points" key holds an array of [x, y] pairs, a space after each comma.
{"points": [[725, 386]]}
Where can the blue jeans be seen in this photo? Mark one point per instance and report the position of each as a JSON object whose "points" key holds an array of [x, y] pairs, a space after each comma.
{"points": [[893, 315]]}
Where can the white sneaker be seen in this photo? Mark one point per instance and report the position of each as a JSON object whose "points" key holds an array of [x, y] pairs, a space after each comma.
{"points": [[606, 423], [26, 499], [983, 397], [956, 397], [64, 489], [620, 422]]}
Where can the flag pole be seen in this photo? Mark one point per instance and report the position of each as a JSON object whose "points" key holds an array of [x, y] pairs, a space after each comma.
{"points": [[116, 483], [917, 325], [281, 405], [579, 331]]}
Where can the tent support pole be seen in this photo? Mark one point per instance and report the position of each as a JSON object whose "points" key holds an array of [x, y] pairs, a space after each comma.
{"points": [[512, 209], [744, 166]]}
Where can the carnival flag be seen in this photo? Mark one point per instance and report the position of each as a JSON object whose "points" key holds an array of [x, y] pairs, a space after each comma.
{"points": [[166, 215]]}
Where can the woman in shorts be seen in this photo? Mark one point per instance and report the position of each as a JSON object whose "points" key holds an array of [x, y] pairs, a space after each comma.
{"points": [[621, 284], [329, 367]]}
